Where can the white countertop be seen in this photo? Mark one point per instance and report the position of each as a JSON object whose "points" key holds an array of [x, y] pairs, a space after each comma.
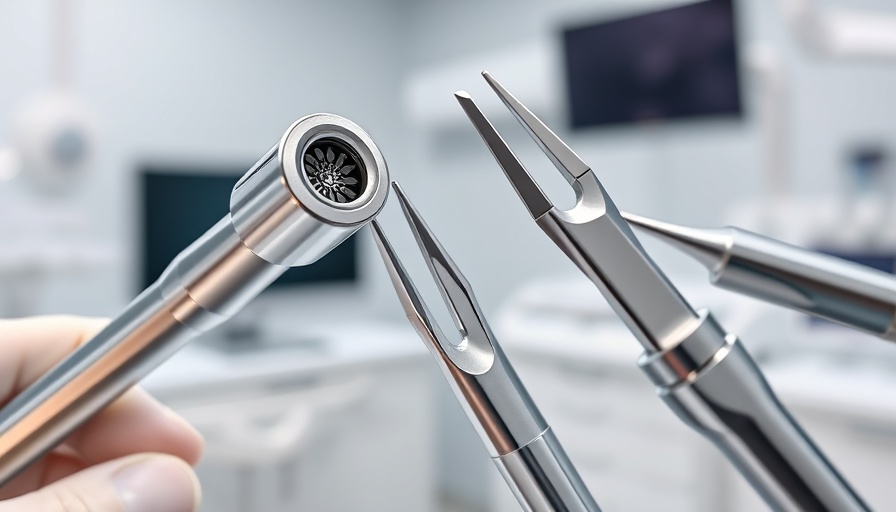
{"points": [[312, 351], [861, 390]]}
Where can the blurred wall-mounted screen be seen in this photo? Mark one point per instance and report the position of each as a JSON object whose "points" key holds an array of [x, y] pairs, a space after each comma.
{"points": [[675, 63], [180, 203]]}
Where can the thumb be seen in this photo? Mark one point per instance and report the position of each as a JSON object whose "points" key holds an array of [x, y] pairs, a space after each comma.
{"points": [[139, 483]]}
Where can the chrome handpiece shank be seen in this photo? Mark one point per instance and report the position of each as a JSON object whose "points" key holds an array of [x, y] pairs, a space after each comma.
{"points": [[517, 437], [817, 284], [321, 183], [703, 373]]}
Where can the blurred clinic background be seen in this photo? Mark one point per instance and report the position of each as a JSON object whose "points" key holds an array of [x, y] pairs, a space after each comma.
{"points": [[124, 125]]}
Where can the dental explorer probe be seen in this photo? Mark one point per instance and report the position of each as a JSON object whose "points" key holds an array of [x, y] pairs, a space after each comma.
{"points": [[321, 183], [517, 437], [704, 374], [824, 286]]}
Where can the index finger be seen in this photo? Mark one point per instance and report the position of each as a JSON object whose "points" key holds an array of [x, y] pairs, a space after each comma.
{"points": [[29, 347]]}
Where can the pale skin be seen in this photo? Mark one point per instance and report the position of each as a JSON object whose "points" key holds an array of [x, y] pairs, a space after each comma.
{"points": [[134, 456]]}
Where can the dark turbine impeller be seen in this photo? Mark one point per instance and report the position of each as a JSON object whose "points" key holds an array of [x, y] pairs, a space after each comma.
{"points": [[334, 170]]}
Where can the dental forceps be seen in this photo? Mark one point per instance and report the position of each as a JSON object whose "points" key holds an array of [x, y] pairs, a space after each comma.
{"points": [[704, 374], [770, 270], [518, 439]]}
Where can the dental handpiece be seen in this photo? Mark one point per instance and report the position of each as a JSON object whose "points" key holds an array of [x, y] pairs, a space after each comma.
{"points": [[518, 439], [703, 373], [323, 181], [817, 284]]}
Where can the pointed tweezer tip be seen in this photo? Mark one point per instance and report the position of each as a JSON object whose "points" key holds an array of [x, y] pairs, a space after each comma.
{"points": [[393, 265], [413, 305], [403, 200], [451, 282], [424, 236], [563, 157], [532, 196], [384, 247]]}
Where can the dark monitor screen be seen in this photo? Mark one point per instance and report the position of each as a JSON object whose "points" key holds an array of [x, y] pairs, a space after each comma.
{"points": [[180, 204], [675, 63]]}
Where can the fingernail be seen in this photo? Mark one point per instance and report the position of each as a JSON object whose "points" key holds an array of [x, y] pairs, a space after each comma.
{"points": [[157, 484]]}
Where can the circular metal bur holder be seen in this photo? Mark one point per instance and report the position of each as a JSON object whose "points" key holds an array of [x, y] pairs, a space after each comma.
{"points": [[334, 169]]}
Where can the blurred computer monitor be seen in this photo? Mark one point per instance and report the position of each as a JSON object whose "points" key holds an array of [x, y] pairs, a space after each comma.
{"points": [[180, 203], [675, 63]]}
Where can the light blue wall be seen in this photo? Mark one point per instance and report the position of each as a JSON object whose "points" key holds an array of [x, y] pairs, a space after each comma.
{"points": [[200, 81], [690, 172]]}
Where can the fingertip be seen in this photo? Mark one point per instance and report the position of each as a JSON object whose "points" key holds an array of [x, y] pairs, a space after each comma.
{"points": [[136, 422], [194, 442], [146, 482], [157, 482]]}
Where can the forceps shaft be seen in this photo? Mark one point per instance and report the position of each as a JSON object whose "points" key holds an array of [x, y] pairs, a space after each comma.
{"points": [[702, 373], [519, 440]]}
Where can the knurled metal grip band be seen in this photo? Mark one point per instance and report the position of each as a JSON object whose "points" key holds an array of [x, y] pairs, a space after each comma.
{"points": [[698, 352]]}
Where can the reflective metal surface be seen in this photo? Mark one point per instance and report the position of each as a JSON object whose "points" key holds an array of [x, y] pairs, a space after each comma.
{"points": [[701, 372], [727, 400], [638, 291], [496, 402], [538, 476], [276, 221], [824, 286]]}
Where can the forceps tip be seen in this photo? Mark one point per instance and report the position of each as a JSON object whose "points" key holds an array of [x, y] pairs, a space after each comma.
{"points": [[561, 155], [533, 198], [410, 212], [411, 301], [451, 282]]}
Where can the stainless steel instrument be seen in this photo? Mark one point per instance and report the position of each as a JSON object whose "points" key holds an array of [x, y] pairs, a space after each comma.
{"points": [[517, 437], [702, 372], [820, 285], [321, 183]]}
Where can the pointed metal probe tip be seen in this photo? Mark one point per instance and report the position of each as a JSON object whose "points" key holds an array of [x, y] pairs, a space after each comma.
{"points": [[708, 246], [410, 299], [564, 159], [400, 278], [452, 284], [533, 198]]}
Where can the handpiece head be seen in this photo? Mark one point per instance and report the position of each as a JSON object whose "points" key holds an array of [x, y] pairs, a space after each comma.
{"points": [[322, 182]]}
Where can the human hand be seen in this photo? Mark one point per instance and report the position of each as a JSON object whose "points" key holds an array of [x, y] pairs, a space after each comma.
{"points": [[133, 456]]}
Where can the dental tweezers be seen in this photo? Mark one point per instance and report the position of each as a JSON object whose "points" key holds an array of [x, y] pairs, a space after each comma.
{"points": [[518, 439], [817, 284], [703, 373]]}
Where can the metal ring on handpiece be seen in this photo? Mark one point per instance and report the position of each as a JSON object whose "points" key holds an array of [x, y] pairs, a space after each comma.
{"points": [[295, 205], [307, 131]]}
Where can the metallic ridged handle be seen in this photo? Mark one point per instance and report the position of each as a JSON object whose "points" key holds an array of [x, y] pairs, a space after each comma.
{"points": [[711, 382]]}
